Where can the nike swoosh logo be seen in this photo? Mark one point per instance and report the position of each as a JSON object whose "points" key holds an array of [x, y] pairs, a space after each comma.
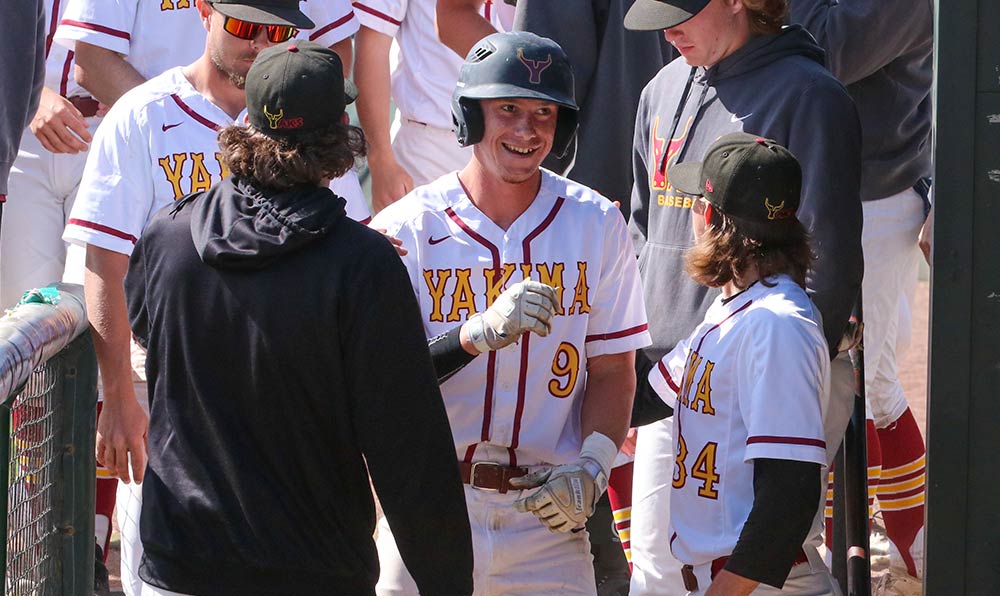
{"points": [[167, 127], [434, 240], [734, 118]]}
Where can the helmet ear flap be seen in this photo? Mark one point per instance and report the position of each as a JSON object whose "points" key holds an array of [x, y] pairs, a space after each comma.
{"points": [[566, 124], [468, 118]]}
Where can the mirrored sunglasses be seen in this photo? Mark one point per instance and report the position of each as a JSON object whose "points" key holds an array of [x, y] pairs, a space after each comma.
{"points": [[245, 30]]}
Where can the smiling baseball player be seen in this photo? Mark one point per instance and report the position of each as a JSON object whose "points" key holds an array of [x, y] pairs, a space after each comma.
{"points": [[749, 387], [547, 413]]}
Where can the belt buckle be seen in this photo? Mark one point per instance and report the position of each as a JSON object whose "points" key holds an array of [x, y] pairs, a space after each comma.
{"points": [[485, 465]]}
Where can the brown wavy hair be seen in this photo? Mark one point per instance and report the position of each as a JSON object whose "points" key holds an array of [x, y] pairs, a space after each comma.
{"points": [[766, 16], [279, 164], [729, 249]]}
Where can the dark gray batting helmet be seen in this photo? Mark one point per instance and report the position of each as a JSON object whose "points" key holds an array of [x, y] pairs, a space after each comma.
{"points": [[514, 65]]}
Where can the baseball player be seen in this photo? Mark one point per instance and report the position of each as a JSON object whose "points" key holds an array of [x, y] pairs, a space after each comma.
{"points": [[157, 144], [740, 69], [882, 52], [422, 145], [547, 413], [750, 386]]}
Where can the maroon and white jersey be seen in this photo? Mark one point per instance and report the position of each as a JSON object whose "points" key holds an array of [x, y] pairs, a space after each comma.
{"points": [[752, 381], [58, 58], [155, 35], [521, 404]]}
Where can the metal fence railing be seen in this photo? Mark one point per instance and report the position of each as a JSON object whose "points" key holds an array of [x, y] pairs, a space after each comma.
{"points": [[48, 396]]}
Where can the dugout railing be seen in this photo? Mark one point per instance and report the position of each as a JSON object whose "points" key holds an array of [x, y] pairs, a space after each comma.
{"points": [[48, 401]]}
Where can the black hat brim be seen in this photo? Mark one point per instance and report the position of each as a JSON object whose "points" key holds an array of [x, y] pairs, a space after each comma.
{"points": [[263, 14], [686, 177], [654, 15]]}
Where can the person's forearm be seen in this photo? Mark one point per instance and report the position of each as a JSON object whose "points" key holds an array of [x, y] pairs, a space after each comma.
{"points": [[371, 75], [345, 49], [459, 24], [104, 73], [105, 296], [607, 400], [729, 584]]}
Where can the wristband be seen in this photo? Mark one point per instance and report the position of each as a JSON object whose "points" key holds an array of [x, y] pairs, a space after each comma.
{"points": [[599, 449], [475, 326]]}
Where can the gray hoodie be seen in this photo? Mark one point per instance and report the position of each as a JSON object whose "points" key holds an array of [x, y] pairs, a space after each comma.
{"points": [[774, 86], [883, 52]]}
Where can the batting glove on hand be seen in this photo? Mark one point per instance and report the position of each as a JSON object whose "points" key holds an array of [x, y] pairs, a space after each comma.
{"points": [[525, 306], [567, 495]]}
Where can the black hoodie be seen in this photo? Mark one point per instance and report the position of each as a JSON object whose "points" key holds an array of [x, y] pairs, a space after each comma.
{"points": [[774, 86], [285, 351]]}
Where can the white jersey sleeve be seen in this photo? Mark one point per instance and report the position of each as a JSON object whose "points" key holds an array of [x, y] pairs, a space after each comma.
{"points": [[103, 23], [617, 321], [349, 188], [334, 19], [786, 369], [665, 377], [118, 182], [384, 16]]}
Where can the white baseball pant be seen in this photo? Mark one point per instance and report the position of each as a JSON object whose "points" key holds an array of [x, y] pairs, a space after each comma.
{"points": [[426, 152], [41, 190], [655, 571], [513, 553], [891, 228]]}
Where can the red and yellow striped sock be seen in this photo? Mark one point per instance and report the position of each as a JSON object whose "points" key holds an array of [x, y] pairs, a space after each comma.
{"points": [[901, 493], [620, 496], [874, 475]]}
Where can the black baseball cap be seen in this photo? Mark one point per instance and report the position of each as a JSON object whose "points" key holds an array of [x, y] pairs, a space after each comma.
{"points": [[653, 15], [746, 177], [297, 87], [265, 12]]}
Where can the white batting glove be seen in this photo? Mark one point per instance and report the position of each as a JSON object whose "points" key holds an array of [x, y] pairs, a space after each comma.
{"points": [[567, 494], [525, 306]]}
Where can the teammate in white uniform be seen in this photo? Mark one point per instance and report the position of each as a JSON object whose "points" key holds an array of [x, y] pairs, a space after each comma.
{"points": [[157, 144], [749, 387], [423, 145], [547, 411]]}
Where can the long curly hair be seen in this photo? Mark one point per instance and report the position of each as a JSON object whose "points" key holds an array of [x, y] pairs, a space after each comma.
{"points": [[279, 164], [730, 249], [766, 16]]}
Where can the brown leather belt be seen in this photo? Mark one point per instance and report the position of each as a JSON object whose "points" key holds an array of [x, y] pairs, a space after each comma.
{"points": [[691, 581], [489, 475], [87, 105]]}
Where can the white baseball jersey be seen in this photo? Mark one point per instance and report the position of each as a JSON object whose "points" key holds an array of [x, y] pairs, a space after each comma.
{"points": [[752, 381], [521, 404], [155, 35], [425, 75]]}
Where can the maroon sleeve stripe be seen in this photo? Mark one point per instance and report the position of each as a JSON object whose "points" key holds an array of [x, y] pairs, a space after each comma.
{"points": [[322, 31], [787, 441], [377, 13], [99, 28], [103, 228], [617, 334], [666, 377]]}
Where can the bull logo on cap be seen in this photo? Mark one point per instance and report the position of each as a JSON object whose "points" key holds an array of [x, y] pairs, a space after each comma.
{"points": [[273, 118], [776, 211], [535, 67]]}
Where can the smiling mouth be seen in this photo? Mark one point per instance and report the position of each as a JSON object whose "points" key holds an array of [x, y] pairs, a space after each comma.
{"points": [[519, 150]]}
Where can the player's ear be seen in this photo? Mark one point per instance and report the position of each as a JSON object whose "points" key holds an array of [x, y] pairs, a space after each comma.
{"points": [[708, 215], [205, 12]]}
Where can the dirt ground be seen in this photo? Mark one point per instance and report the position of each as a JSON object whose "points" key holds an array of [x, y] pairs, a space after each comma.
{"points": [[913, 371]]}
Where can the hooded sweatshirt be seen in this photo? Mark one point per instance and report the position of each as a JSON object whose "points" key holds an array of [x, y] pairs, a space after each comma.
{"points": [[774, 86], [285, 351], [884, 53]]}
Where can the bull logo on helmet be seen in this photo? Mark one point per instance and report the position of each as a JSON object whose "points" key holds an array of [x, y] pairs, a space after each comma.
{"points": [[535, 67], [775, 211], [273, 118]]}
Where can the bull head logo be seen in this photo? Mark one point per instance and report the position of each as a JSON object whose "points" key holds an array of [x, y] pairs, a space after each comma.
{"points": [[274, 118], [535, 67], [773, 211]]}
